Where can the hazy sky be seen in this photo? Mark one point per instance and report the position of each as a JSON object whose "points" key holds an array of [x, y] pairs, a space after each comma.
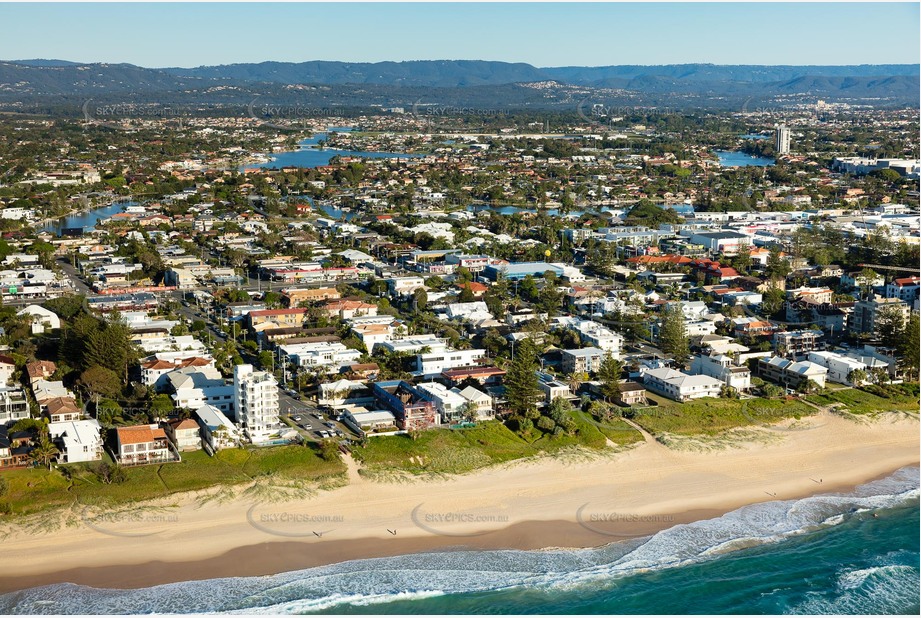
{"points": [[542, 34]]}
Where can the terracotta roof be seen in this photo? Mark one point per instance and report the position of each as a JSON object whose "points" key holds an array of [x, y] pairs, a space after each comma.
{"points": [[139, 434], [6, 360], [266, 312], [186, 423], [40, 369], [61, 405], [473, 286], [907, 281]]}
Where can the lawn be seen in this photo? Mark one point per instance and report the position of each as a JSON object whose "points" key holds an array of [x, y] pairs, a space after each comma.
{"points": [[711, 415], [858, 401], [455, 451], [36, 489]]}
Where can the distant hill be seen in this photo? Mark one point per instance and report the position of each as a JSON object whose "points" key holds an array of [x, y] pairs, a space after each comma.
{"points": [[400, 82]]}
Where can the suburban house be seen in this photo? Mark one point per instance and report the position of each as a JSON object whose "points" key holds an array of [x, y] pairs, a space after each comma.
{"points": [[450, 405], [7, 368], [790, 374], [839, 366], [42, 319], [631, 394], [62, 409], [217, 430], [724, 368], [407, 404], [481, 403], [552, 388], [143, 444], [77, 440], [184, 433], [40, 370], [681, 386], [344, 392]]}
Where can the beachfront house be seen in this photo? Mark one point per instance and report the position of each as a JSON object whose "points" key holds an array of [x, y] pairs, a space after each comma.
{"points": [[143, 444]]}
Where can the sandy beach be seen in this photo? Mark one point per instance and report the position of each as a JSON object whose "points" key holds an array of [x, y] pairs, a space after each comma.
{"points": [[526, 505]]}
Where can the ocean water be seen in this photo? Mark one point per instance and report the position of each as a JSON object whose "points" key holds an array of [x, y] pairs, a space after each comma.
{"points": [[855, 553]]}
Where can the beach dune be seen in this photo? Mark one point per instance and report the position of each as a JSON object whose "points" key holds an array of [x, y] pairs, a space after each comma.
{"points": [[527, 505]]}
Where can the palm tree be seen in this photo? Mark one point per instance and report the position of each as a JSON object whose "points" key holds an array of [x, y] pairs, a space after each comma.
{"points": [[45, 450]]}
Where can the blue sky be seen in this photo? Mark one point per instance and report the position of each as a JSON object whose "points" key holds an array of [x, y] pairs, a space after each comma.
{"points": [[542, 34]]}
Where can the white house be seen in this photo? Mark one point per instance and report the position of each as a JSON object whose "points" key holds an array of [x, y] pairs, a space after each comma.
{"points": [[839, 366], [77, 440], [450, 405], [193, 387], [42, 319], [216, 429], [724, 368], [681, 386], [551, 387], [184, 434], [7, 368], [482, 402]]}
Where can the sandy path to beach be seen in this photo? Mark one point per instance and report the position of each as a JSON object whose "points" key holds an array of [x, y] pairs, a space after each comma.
{"points": [[542, 503]]}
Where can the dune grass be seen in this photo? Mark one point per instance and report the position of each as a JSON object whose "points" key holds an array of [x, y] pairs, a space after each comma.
{"points": [[37, 489], [901, 398], [710, 415]]}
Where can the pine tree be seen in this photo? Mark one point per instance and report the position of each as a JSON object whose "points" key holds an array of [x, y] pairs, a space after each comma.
{"points": [[673, 336], [609, 375], [910, 344], [521, 385]]}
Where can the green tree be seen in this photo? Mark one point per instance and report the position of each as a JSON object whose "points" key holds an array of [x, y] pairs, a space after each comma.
{"points": [[100, 381], [673, 335], [909, 346], [777, 267], [44, 451], [266, 360], [609, 376], [521, 384], [890, 326]]}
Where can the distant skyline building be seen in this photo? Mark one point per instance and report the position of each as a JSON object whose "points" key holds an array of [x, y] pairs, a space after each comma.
{"points": [[782, 140]]}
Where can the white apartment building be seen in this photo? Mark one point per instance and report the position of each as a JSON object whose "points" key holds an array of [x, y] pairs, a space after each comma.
{"points": [[599, 336], [13, 405], [431, 364], [193, 387], [320, 354], [415, 344], [401, 286], [256, 402]]}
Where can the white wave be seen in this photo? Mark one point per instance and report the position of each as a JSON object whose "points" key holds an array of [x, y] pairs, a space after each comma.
{"points": [[301, 606], [383, 580], [875, 590]]}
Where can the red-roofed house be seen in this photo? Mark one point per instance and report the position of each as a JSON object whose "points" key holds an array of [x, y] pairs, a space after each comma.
{"points": [[905, 289], [143, 444]]}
